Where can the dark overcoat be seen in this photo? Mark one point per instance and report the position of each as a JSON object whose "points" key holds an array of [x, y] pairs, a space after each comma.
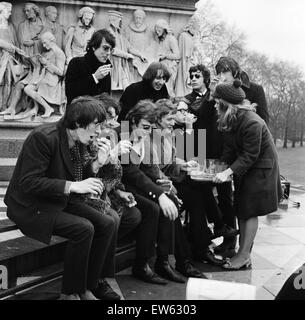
{"points": [[139, 91], [251, 153], [35, 195], [255, 94], [79, 80]]}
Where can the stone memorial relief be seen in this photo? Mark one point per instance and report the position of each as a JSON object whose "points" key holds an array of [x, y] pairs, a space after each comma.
{"points": [[139, 36], [47, 91], [35, 54], [189, 56], [30, 29], [51, 24], [11, 67], [79, 35], [123, 55], [164, 48]]}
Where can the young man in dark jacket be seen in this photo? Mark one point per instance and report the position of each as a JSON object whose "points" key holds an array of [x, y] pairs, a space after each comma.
{"points": [[47, 196], [90, 75], [152, 87], [228, 70]]}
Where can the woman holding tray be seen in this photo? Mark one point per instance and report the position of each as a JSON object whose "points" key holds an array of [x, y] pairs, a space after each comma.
{"points": [[251, 154]]}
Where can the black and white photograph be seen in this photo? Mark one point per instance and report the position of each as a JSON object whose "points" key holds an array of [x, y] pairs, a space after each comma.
{"points": [[152, 153]]}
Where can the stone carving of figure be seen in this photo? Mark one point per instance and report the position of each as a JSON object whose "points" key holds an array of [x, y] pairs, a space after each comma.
{"points": [[42, 82], [53, 26], [30, 29], [10, 66], [79, 35], [123, 54], [188, 50], [139, 36], [48, 88], [164, 48]]}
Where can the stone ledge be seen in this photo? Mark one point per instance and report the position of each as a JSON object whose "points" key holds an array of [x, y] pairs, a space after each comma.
{"points": [[16, 124], [166, 6]]}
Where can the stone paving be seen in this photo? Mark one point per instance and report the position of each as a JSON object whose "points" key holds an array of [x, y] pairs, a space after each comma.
{"points": [[279, 249]]}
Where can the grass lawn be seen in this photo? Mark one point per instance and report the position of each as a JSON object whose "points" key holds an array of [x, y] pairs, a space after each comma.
{"points": [[292, 164]]}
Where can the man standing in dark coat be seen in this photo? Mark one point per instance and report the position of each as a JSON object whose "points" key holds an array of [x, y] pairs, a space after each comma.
{"points": [[47, 196], [203, 107], [228, 70], [90, 75]]}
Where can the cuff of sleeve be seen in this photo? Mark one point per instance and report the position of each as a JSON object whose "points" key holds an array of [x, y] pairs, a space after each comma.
{"points": [[67, 187], [95, 80]]}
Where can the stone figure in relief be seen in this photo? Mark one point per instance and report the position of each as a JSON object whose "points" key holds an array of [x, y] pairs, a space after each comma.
{"points": [[188, 53], [164, 48], [139, 36], [122, 55], [79, 35], [30, 29], [53, 26], [42, 84], [11, 68], [47, 90]]}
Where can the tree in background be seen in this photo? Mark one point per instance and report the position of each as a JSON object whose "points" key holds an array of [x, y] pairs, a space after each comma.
{"points": [[283, 82]]}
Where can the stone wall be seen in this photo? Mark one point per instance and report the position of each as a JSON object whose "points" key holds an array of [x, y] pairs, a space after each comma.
{"points": [[176, 12]]}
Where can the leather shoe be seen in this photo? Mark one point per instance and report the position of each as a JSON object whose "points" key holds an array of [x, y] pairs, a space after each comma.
{"points": [[226, 248], [164, 269], [146, 274], [189, 271], [105, 292], [226, 232], [210, 257]]}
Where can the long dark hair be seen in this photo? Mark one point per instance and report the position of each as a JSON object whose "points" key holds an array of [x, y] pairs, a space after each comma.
{"points": [[144, 109], [152, 71], [82, 111], [97, 38]]}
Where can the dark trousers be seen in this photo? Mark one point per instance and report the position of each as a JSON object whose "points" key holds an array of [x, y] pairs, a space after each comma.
{"points": [[225, 202], [127, 223], [146, 232], [194, 197], [91, 246], [171, 236]]}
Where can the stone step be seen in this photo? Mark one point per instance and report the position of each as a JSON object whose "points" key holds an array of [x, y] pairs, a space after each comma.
{"points": [[31, 263], [7, 225], [12, 138], [2, 205], [27, 286], [7, 166], [4, 184], [3, 216], [10, 147], [2, 191], [21, 254]]}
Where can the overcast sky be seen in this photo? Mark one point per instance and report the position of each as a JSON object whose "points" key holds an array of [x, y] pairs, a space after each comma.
{"points": [[273, 27]]}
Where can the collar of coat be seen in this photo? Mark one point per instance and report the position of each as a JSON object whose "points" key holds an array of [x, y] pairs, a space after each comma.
{"points": [[93, 62]]}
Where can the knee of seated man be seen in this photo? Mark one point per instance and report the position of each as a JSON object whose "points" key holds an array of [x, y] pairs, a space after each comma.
{"points": [[133, 216], [107, 222], [84, 228]]}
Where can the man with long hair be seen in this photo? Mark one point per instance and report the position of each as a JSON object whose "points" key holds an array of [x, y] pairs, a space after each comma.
{"points": [[90, 75], [45, 197]]}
